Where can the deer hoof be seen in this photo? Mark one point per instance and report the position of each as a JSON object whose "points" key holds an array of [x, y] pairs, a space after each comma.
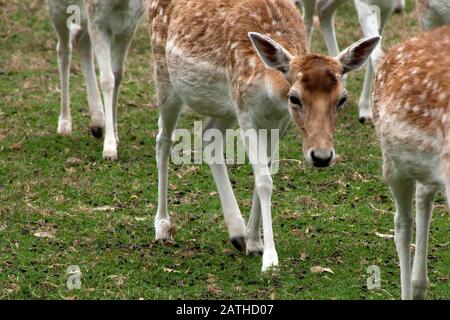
{"points": [[97, 132], [238, 243]]}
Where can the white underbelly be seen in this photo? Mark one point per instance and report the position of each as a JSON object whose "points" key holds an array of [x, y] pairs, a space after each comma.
{"points": [[200, 85], [422, 165]]}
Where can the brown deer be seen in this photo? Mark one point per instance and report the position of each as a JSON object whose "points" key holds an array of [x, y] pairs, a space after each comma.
{"points": [[245, 61], [412, 117]]}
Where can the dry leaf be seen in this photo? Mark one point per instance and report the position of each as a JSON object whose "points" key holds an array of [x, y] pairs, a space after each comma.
{"points": [[16, 146], [104, 208], [303, 256], [44, 234], [214, 290], [170, 270], [73, 161], [384, 236], [319, 269]]}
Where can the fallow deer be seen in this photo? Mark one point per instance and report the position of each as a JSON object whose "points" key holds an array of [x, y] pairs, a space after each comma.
{"points": [[412, 118], [372, 15], [108, 27], [433, 13], [245, 61]]}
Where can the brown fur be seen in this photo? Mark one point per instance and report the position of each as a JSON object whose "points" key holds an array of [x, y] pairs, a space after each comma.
{"points": [[413, 83]]}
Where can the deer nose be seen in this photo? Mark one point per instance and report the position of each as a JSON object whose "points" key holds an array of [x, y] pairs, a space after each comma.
{"points": [[322, 158]]}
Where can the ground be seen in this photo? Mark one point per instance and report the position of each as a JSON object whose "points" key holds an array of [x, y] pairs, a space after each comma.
{"points": [[62, 205]]}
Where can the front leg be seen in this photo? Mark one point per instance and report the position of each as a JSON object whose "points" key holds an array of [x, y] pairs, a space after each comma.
{"points": [[119, 55], [256, 147], [255, 246], [253, 235], [102, 47]]}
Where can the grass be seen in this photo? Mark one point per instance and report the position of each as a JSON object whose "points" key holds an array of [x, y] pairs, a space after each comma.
{"points": [[53, 184]]}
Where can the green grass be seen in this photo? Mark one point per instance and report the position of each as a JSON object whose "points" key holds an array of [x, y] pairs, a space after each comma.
{"points": [[322, 218]]}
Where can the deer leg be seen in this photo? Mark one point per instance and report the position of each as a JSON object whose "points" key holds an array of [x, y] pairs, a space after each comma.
{"points": [[169, 113], [424, 209], [308, 7], [119, 55], [84, 47], [402, 190], [254, 243], [255, 246], [326, 11], [233, 218], [64, 52], [102, 45], [257, 152], [372, 20]]}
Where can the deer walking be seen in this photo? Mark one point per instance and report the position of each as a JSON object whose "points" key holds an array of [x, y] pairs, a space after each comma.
{"points": [[372, 14], [245, 61], [106, 29], [412, 118]]}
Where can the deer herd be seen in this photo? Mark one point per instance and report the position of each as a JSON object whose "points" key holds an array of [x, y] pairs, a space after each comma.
{"points": [[247, 63]]}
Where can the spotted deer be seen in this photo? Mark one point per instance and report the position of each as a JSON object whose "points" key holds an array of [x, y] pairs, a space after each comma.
{"points": [[433, 13], [412, 118], [245, 61], [372, 14], [106, 28]]}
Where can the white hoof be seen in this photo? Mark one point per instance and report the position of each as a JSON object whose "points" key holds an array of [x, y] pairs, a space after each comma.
{"points": [[110, 151], [65, 127], [270, 261], [163, 230]]}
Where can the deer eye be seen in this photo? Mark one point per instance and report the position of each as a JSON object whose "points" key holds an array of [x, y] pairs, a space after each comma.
{"points": [[342, 101], [294, 100]]}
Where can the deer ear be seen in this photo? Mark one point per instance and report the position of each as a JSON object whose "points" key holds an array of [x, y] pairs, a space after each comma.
{"points": [[356, 55], [271, 53]]}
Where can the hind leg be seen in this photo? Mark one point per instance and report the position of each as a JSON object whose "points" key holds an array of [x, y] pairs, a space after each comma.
{"points": [[233, 218], [169, 112], [424, 209], [64, 52], [168, 119], [84, 47], [119, 55], [308, 7], [402, 189], [372, 20]]}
